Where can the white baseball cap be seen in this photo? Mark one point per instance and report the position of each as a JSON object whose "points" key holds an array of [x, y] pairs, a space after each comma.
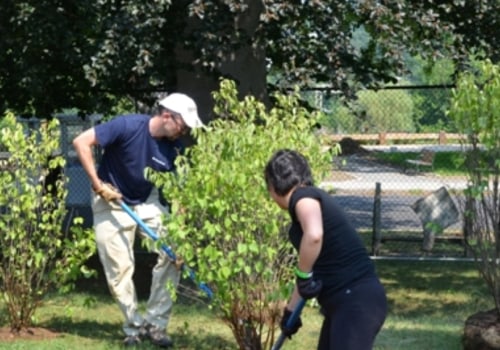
{"points": [[184, 106]]}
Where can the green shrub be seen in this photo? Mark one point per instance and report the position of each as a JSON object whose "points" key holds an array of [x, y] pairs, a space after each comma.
{"points": [[476, 110], [35, 252], [225, 223]]}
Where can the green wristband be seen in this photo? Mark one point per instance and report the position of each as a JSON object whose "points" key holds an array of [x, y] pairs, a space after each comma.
{"points": [[302, 274]]}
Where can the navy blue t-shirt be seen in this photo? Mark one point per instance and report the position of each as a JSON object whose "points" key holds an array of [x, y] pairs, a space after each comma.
{"points": [[129, 149], [343, 258]]}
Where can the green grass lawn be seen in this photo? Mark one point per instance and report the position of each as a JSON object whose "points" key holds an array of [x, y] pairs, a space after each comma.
{"points": [[428, 305]]}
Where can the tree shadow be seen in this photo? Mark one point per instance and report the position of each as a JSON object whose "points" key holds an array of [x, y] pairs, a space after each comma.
{"points": [[111, 333], [107, 331], [432, 288], [393, 338]]}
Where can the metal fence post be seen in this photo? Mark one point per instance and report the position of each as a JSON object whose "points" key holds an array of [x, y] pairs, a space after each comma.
{"points": [[376, 219]]}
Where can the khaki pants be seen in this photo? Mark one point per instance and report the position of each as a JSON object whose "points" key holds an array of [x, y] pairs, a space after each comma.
{"points": [[115, 232]]}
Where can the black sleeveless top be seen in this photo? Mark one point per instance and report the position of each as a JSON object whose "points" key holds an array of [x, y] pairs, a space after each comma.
{"points": [[343, 258]]}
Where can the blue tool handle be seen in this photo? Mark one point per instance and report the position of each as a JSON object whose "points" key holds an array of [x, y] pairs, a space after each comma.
{"points": [[164, 247], [290, 322]]}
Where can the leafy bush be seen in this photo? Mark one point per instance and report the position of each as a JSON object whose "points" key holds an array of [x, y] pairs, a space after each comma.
{"points": [[476, 109], [35, 252], [225, 223]]}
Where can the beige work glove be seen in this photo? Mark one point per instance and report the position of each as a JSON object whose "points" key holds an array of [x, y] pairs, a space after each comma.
{"points": [[179, 262], [108, 192]]}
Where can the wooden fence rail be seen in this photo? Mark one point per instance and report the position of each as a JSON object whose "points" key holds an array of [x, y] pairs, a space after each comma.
{"points": [[384, 138]]}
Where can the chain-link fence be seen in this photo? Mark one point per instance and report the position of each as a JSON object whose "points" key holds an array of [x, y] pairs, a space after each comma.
{"points": [[77, 185], [79, 189], [400, 212]]}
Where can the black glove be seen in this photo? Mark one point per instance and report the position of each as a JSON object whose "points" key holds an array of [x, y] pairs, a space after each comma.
{"points": [[289, 331], [308, 287]]}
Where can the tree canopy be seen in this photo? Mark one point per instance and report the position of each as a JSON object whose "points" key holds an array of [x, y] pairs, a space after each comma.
{"points": [[83, 55]]}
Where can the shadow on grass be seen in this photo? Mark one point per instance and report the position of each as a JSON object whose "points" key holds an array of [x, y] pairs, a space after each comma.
{"points": [[201, 342], [189, 301], [433, 288], [412, 339], [111, 334]]}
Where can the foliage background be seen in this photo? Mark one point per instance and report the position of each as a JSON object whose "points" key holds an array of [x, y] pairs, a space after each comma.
{"points": [[91, 55]]}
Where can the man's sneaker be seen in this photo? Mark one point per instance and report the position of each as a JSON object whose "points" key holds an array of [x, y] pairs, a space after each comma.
{"points": [[158, 336], [132, 340]]}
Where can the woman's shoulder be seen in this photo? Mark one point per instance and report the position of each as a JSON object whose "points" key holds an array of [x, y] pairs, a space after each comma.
{"points": [[306, 192], [309, 191]]}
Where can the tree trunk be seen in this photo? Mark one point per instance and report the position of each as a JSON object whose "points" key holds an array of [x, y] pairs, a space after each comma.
{"points": [[246, 66]]}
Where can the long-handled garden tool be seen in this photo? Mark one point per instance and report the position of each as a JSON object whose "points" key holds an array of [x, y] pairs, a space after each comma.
{"points": [[164, 247], [291, 321]]}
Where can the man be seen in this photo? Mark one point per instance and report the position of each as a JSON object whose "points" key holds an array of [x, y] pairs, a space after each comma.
{"points": [[132, 143]]}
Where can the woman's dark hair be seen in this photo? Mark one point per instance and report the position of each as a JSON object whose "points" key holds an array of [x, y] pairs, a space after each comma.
{"points": [[287, 169]]}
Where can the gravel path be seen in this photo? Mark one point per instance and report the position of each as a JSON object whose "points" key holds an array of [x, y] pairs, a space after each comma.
{"points": [[357, 172]]}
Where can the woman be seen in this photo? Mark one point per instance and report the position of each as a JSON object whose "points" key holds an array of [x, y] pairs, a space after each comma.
{"points": [[333, 264]]}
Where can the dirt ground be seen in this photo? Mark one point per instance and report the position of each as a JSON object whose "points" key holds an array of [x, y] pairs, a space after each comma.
{"points": [[34, 333]]}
